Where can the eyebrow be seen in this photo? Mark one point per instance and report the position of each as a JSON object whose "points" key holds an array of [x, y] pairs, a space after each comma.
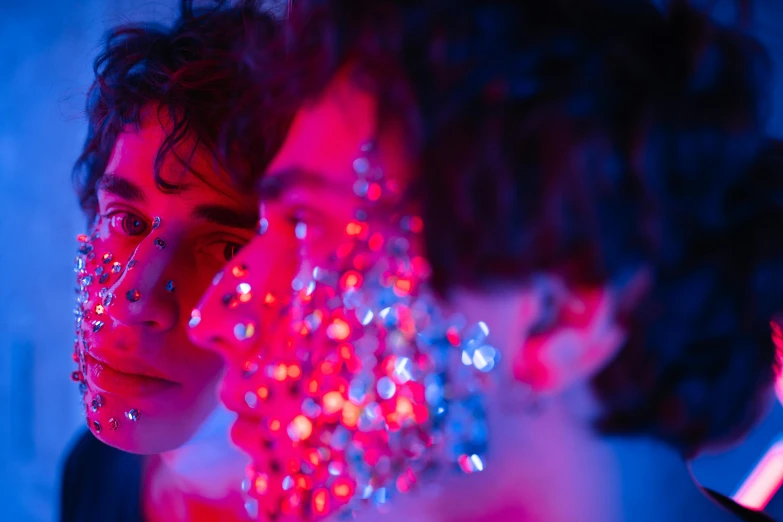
{"points": [[212, 213], [121, 187], [272, 186], [225, 216]]}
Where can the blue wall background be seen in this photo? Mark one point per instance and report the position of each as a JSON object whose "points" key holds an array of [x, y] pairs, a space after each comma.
{"points": [[46, 51]]}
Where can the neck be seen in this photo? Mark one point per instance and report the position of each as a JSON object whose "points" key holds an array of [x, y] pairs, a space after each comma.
{"points": [[548, 469], [199, 480]]}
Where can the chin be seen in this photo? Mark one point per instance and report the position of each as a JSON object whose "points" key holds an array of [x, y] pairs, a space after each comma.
{"points": [[159, 425]]}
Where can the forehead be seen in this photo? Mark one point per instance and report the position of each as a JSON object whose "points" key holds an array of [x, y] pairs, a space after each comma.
{"points": [[134, 153], [327, 134]]}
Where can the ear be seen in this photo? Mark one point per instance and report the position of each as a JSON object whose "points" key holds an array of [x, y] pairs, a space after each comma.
{"points": [[582, 336]]}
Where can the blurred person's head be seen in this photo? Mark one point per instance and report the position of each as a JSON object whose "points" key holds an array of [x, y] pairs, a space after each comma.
{"points": [[590, 183], [166, 217]]}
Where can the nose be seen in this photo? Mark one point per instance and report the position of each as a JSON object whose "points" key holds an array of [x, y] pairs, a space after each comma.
{"points": [[142, 296], [242, 304]]}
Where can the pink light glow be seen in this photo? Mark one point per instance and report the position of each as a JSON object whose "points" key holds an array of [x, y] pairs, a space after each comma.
{"points": [[764, 481]]}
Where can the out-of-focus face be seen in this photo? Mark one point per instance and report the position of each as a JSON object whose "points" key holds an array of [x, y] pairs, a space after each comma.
{"points": [[349, 381], [150, 257]]}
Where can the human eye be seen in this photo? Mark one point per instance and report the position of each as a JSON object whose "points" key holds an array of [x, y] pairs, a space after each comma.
{"points": [[127, 223], [224, 250]]}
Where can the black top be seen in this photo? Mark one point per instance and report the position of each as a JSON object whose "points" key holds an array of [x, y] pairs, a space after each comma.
{"points": [[100, 483], [103, 484]]}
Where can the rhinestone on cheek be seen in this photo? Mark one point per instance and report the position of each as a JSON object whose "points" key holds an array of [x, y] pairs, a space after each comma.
{"points": [[133, 414], [244, 331], [97, 426], [160, 243], [133, 295], [383, 374], [170, 286], [114, 424], [195, 318], [156, 222]]}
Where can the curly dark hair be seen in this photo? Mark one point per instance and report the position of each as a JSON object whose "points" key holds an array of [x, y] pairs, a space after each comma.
{"points": [[191, 73], [590, 139]]}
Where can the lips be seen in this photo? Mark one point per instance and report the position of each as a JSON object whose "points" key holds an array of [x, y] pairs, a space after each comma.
{"points": [[128, 382]]}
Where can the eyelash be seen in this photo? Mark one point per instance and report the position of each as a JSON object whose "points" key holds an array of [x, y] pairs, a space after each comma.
{"points": [[125, 214]]}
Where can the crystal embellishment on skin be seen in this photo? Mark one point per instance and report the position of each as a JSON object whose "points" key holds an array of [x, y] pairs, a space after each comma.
{"points": [[156, 222], [133, 414], [170, 286], [97, 426], [114, 424], [116, 268], [195, 318], [244, 331], [133, 295], [160, 243]]}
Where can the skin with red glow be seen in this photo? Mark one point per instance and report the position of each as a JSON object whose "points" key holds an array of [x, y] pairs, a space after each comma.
{"points": [[141, 358], [536, 460]]}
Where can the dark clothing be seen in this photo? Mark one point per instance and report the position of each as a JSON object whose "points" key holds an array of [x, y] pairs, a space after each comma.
{"points": [[101, 483]]}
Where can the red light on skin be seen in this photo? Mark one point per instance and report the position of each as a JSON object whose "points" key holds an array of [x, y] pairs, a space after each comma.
{"points": [[764, 481], [245, 298], [360, 262], [333, 402], [269, 298], [327, 368], [344, 251], [274, 425], [312, 386], [81, 238], [343, 489], [320, 501], [374, 192], [416, 224]]}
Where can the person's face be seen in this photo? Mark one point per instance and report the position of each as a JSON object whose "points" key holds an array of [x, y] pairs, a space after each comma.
{"points": [[151, 254], [338, 364]]}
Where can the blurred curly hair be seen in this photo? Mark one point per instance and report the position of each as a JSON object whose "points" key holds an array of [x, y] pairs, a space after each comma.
{"points": [[190, 73], [589, 139]]}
